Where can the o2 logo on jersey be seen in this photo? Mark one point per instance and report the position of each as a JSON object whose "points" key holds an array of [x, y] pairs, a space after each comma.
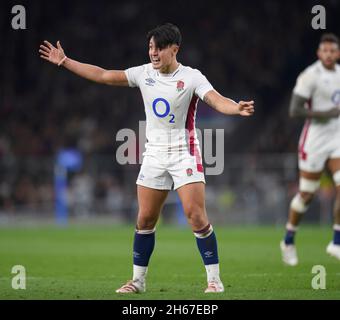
{"points": [[164, 113], [336, 98]]}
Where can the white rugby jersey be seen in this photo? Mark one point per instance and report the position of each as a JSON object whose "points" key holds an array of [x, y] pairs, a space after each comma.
{"points": [[322, 87], [170, 102]]}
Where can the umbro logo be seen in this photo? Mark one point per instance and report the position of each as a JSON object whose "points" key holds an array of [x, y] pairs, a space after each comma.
{"points": [[150, 82], [208, 254]]}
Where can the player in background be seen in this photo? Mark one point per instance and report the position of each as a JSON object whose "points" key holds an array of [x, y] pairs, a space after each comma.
{"points": [[316, 97], [170, 93]]}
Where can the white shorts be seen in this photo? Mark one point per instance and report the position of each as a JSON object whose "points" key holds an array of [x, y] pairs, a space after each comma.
{"points": [[164, 171], [316, 146]]}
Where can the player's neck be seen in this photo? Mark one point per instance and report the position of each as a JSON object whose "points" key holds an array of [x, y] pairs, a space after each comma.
{"points": [[329, 67], [170, 68]]}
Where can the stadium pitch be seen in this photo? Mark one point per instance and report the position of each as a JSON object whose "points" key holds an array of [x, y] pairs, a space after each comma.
{"points": [[90, 262]]}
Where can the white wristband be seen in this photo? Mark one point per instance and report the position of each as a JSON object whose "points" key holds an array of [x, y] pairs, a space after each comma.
{"points": [[62, 61]]}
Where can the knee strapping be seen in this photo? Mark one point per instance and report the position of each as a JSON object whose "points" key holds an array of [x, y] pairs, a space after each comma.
{"points": [[204, 233], [336, 178], [298, 204], [307, 185]]}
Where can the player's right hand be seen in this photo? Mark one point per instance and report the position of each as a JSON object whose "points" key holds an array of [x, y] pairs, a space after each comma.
{"points": [[246, 108], [50, 53]]}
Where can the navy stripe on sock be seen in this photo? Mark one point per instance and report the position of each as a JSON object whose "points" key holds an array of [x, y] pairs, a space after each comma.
{"points": [[289, 238], [336, 238], [143, 246], [208, 249]]}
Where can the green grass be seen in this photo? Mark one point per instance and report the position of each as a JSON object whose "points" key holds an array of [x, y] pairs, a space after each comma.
{"points": [[90, 262]]}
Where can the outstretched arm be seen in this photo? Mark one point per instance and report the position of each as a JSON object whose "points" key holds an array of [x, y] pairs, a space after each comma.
{"points": [[297, 109], [228, 106], [57, 56]]}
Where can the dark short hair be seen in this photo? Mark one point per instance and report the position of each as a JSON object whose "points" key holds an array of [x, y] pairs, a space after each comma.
{"points": [[329, 37], [165, 35]]}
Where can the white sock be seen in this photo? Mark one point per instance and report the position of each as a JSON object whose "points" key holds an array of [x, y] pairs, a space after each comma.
{"points": [[213, 272], [336, 227], [139, 273]]}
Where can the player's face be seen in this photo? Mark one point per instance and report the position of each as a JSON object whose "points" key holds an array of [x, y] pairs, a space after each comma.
{"points": [[328, 53], [162, 59]]}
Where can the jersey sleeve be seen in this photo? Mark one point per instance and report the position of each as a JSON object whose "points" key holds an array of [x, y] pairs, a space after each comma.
{"points": [[133, 75], [201, 84], [305, 84]]}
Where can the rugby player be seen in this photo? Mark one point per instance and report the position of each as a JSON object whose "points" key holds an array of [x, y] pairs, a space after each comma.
{"points": [[316, 98], [170, 93]]}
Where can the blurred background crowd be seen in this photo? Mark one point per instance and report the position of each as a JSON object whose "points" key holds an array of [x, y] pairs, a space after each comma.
{"points": [[247, 49]]}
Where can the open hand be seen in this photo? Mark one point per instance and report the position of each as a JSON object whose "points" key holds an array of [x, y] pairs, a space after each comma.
{"points": [[246, 108], [50, 53]]}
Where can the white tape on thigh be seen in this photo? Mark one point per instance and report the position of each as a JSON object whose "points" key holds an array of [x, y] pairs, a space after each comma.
{"points": [[298, 204], [336, 178], [307, 185]]}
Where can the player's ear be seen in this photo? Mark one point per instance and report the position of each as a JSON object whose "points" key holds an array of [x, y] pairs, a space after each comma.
{"points": [[318, 53], [175, 49]]}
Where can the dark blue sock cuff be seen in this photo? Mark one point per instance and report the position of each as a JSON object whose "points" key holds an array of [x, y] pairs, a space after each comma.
{"points": [[208, 248], [143, 246], [289, 237], [336, 238]]}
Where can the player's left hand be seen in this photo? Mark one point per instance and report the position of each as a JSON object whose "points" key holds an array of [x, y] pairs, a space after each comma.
{"points": [[246, 108]]}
